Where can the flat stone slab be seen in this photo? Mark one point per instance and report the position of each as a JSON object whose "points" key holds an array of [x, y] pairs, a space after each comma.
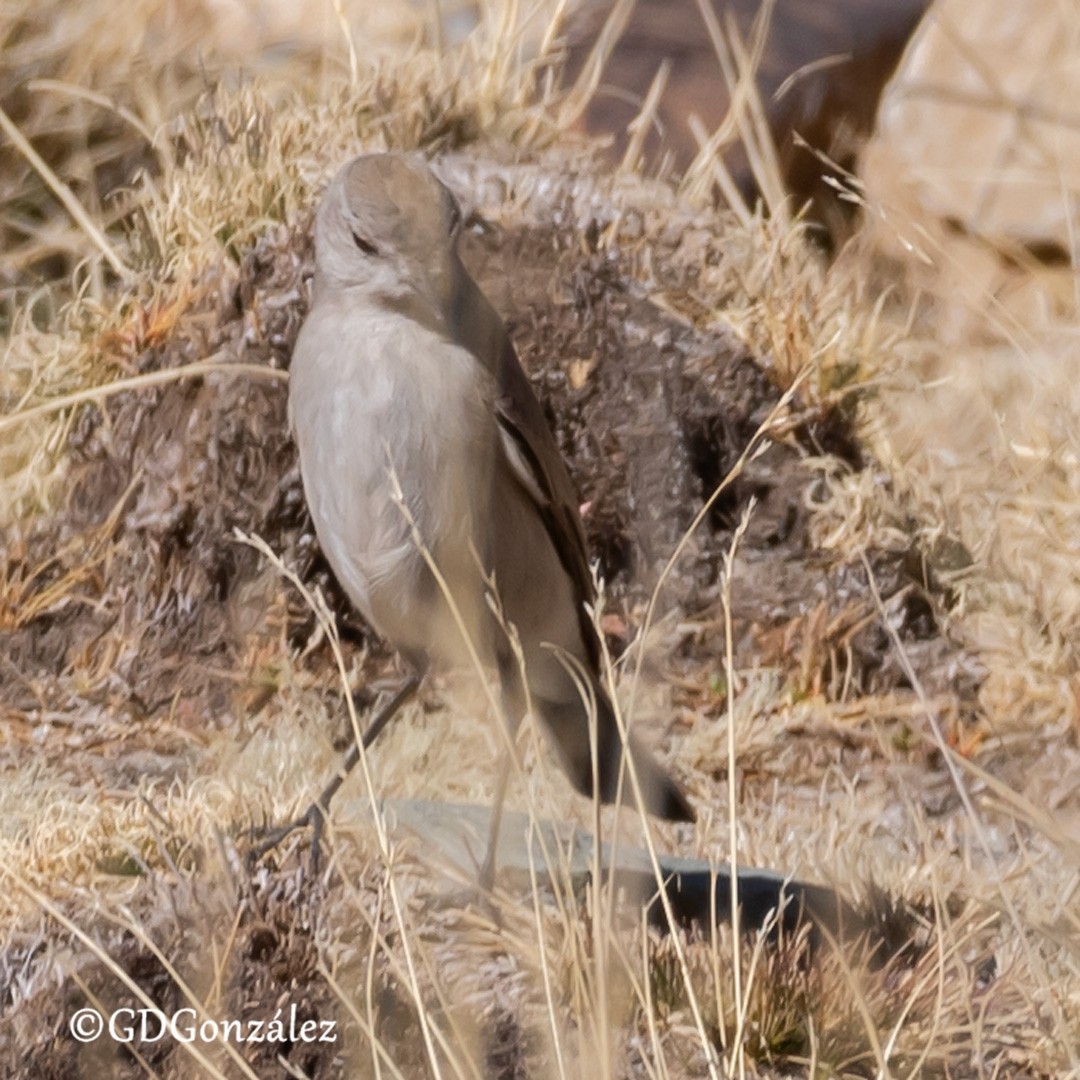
{"points": [[453, 838]]}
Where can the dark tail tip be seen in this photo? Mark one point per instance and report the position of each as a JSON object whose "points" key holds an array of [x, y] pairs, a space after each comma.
{"points": [[663, 797], [567, 725], [675, 806]]}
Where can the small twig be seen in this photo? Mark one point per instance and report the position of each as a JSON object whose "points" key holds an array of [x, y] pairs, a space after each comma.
{"points": [[140, 382]]}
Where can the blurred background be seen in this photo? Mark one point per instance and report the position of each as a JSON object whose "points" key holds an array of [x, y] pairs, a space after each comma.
{"points": [[975, 129]]}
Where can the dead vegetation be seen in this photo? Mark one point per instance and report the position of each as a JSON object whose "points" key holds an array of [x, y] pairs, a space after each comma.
{"points": [[901, 695]]}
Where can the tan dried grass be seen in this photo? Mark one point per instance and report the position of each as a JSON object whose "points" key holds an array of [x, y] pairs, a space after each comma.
{"points": [[977, 417]]}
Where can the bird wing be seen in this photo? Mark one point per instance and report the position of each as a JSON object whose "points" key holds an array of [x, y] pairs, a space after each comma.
{"points": [[534, 459], [527, 443]]}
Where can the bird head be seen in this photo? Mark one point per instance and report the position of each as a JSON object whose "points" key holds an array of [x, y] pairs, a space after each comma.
{"points": [[388, 226]]}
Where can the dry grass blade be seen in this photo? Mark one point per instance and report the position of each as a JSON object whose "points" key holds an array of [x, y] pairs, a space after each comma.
{"points": [[585, 87], [954, 769], [329, 629], [65, 195], [737, 1048], [46, 905], [139, 382], [640, 125]]}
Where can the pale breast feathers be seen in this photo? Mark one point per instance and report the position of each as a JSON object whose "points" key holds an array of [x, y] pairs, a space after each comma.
{"points": [[383, 402]]}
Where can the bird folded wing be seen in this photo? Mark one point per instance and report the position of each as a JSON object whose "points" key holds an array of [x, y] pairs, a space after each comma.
{"points": [[535, 462]]}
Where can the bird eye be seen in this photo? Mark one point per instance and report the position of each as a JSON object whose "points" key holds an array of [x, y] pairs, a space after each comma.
{"points": [[365, 246]]}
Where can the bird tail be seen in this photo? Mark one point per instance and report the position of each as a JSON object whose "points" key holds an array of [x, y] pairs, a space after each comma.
{"points": [[568, 723]]}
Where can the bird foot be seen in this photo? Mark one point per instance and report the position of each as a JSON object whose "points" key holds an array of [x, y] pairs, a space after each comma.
{"points": [[270, 837], [315, 815]]}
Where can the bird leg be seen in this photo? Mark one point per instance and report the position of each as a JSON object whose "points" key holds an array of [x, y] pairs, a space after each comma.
{"points": [[515, 703], [488, 866], [315, 815]]}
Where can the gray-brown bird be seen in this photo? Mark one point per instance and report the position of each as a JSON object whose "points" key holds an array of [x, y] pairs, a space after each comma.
{"points": [[415, 420]]}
